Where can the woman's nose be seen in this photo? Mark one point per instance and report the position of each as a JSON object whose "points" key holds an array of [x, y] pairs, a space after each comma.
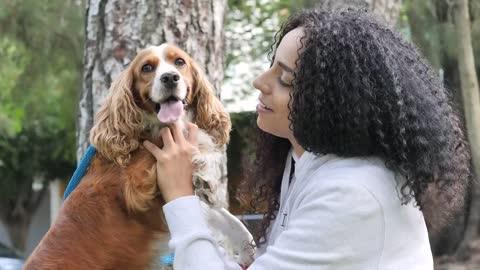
{"points": [[260, 83]]}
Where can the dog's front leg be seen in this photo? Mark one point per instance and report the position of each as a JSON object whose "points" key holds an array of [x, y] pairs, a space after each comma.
{"points": [[231, 234]]}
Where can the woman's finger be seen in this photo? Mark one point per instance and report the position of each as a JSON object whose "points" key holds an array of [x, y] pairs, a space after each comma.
{"points": [[153, 149], [167, 138], [177, 133], [192, 134]]}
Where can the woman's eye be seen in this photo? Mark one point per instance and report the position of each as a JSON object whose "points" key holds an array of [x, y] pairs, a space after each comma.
{"points": [[147, 68], [179, 62], [283, 83]]}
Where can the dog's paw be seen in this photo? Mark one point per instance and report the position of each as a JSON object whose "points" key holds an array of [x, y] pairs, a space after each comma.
{"points": [[245, 255]]}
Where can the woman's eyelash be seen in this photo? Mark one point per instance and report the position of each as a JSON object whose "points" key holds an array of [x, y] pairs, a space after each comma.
{"points": [[283, 83]]}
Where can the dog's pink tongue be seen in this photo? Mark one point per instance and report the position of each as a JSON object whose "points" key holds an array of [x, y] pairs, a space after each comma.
{"points": [[170, 111]]}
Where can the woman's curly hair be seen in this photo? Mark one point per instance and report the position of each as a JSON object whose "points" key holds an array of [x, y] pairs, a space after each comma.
{"points": [[360, 89]]}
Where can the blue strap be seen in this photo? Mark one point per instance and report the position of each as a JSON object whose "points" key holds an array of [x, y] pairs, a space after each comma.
{"points": [[167, 260], [80, 171]]}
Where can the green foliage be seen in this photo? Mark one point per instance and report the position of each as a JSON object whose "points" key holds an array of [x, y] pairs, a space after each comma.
{"points": [[27, 157], [14, 59], [41, 50], [242, 141], [430, 23], [250, 28], [240, 153], [430, 27]]}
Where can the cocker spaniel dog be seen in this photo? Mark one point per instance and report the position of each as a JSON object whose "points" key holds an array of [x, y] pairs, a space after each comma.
{"points": [[114, 218]]}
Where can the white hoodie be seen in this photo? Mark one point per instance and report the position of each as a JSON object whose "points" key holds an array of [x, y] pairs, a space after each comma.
{"points": [[336, 214]]}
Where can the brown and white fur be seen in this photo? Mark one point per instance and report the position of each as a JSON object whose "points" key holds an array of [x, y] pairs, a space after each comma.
{"points": [[114, 218]]}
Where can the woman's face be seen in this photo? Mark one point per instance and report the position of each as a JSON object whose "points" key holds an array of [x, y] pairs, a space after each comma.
{"points": [[275, 85]]}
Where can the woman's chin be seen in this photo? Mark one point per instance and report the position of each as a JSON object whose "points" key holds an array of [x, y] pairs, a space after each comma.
{"points": [[262, 125], [269, 127]]}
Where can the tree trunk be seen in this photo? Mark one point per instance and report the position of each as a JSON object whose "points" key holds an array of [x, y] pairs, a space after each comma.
{"points": [[16, 214], [18, 231], [471, 102], [117, 29], [420, 20], [387, 9]]}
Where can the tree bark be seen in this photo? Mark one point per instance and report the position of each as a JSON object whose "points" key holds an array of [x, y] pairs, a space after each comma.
{"points": [[387, 9], [18, 231], [421, 21], [17, 213], [117, 29], [471, 102]]}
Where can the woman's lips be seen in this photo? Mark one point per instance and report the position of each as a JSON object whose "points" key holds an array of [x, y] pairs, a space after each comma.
{"points": [[262, 108]]}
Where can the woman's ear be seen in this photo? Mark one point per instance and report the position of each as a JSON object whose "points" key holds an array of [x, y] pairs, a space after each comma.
{"points": [[118, 122], [209, 113]]}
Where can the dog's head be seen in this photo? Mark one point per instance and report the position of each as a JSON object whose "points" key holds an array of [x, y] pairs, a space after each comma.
{"points": [[155, 90]]}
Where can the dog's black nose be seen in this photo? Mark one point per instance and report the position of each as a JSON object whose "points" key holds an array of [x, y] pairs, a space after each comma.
{"points": [[170, 79]]}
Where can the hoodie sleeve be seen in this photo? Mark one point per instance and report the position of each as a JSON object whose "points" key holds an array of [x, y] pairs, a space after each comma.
{"points": [[191, 239]]}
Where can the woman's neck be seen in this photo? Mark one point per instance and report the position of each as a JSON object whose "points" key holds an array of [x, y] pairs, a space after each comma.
{"points": [[297, 149]]}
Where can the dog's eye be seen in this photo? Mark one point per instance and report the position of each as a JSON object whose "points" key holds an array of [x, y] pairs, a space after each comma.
{"points": [[147, 68], [179, 62]]}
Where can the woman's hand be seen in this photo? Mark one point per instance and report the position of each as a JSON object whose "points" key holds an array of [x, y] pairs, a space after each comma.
{"points": [[174, 161]]}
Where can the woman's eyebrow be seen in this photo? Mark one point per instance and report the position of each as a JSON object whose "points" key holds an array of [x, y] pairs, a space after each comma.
{"points": [[285, 67]]}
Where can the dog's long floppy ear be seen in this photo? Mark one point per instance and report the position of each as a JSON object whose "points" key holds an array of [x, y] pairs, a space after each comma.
{"points": [[210, 114], [118, 122]]}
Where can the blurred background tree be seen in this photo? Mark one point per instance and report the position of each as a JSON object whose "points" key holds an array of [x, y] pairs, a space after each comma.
{"points": [[471, 104], [41, 61]]}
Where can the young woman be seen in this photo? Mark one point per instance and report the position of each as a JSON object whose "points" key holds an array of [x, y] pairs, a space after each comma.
{"points": [[357, 138]]}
